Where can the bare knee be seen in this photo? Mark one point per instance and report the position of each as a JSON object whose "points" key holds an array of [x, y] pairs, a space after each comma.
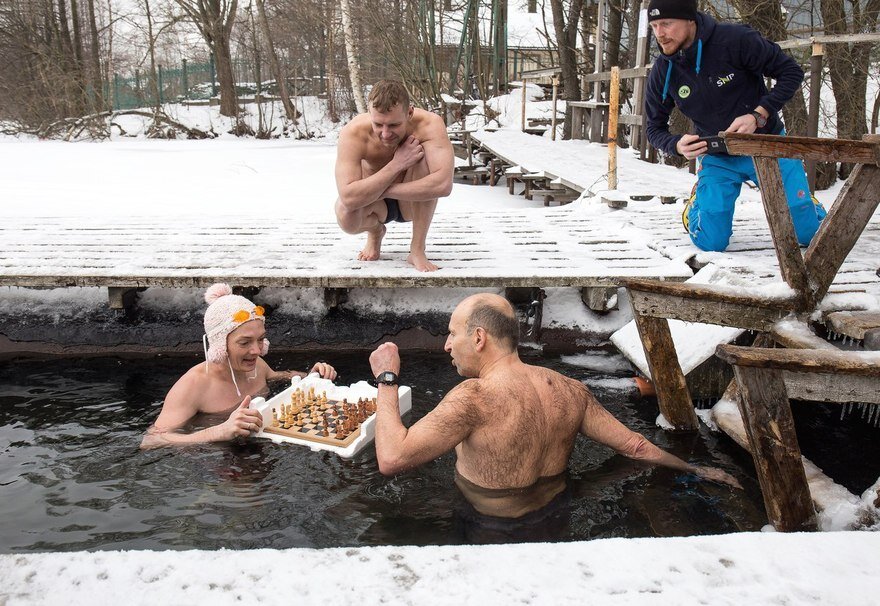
{"points": [[349, 220]]}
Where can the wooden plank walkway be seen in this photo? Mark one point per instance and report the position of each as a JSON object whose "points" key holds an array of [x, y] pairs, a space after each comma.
{"points": [[526, 248], [569, 246]]}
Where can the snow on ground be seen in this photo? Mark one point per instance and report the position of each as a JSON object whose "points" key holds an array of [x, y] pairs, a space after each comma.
{"points": [[749, 568]]}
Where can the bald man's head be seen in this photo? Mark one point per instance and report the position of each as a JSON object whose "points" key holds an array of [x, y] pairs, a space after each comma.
{"points": [[495, 315]]}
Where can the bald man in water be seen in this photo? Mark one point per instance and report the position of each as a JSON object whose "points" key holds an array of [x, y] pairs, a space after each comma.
{"points": [[512, 425]]}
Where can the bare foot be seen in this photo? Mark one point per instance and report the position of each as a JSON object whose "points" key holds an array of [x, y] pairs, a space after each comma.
{"points": [[420, 262], [374, 245]]}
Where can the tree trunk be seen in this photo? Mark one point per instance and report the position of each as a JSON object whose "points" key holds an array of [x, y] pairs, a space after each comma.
{"points": [[214, 20], [274, 65], [228, 95], [96, 78], [354, 68], [848, 68], [151, 51], [331, 73], [566, 41]]}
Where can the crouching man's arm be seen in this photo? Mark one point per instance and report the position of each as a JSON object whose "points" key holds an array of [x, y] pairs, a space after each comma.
{"points": [[601, 426]]}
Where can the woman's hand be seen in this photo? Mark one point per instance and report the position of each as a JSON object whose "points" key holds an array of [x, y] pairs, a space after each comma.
{"points": [[324, 370], [243, 422]]}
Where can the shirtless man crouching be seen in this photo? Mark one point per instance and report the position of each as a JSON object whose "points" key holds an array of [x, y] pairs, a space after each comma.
{"points": [[512, 425], [392, 164]]}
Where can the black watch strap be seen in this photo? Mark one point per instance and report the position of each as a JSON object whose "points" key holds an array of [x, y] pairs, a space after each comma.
{"points": [[760, 120], [386, 378]]}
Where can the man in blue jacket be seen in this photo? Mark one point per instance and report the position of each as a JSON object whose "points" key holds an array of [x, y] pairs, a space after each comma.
{"points": [[714, 73]]}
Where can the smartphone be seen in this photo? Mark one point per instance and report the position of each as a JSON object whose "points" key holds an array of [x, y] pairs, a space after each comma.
{"points": [[714, 145]]}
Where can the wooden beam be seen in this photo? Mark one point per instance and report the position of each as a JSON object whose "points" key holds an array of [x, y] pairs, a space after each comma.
{"points": [[805, 148], [599, 299], [840, 230], [850, 363], [635, 72], [788, 252], [853, 324], [415, 281], [795, 334], [707, 304], [673, 397], [122, 298], [832, 387], [766, 414]]}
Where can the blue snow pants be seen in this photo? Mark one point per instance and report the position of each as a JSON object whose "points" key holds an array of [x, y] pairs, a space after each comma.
{"points": [[719, 180]]}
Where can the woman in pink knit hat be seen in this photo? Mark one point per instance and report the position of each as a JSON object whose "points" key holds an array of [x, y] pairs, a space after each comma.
{"points": [[233, 372]]}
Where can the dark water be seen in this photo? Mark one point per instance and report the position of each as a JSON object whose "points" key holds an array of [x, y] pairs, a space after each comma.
{"points": [[72, 476]]}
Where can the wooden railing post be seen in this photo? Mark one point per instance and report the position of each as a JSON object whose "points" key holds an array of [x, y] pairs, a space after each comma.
{"points": [[844, 224], [673, 397], [766, 414], [791, 263]]}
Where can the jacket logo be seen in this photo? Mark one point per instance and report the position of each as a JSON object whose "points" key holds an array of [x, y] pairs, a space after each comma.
{"points": [[684, 92], [722, 80]]}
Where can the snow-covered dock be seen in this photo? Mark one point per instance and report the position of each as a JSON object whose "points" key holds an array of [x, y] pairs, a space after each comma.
{"points": [[583, 244]]}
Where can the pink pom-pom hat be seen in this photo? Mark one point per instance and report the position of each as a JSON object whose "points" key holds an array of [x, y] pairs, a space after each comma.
{"points": [[225, 313]]}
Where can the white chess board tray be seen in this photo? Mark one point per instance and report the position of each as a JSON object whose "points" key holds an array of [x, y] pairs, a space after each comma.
{"points": [[361, 389]]}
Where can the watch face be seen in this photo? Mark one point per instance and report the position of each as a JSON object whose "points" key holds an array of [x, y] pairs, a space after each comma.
{"points": [[387, 377]]}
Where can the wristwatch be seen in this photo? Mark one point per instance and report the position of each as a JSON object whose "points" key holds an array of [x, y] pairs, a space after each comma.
{"points": [[759, 119], [386, 378]]}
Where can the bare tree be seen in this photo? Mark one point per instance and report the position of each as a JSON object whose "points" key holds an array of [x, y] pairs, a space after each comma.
{"points": [[848, 65], [354, 68], [274, 65], [214, 19], [565, 23]]}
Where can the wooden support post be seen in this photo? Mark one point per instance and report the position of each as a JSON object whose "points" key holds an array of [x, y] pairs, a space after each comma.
{"points": [[613, 111], [766, 414], [845, 222], [523, 105], [577, 122], [813, 119], [334, 297], [122, 298], [788, 251], [672, 392], [599, 298], [553, 119]]}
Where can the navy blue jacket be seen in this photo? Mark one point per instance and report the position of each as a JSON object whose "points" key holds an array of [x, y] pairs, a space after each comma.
{"points": [[719, 77]]}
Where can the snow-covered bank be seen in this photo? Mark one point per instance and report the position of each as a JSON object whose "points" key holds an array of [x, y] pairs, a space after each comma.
{"points": [[748, 568]]}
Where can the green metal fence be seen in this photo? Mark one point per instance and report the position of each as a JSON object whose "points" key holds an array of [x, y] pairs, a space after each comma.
{"points": [[190, 81]]}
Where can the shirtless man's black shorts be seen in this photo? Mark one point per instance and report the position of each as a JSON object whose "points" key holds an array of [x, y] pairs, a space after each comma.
{"points": [[393, 211]]}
